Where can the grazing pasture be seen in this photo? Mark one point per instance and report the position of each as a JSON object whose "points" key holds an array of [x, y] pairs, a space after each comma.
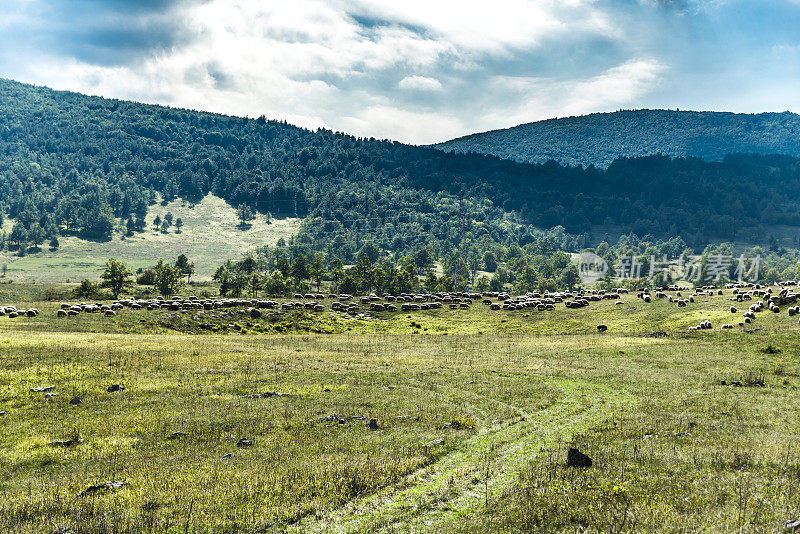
{"points": [[190, 420], [210, 231]]}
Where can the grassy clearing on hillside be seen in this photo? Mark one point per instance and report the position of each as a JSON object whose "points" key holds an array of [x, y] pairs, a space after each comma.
{"points": [[209, 236], [673, 448]]}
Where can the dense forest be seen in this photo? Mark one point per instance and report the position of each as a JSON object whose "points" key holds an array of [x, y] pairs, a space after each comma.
{"points": [[73, 164], [600, 138]]}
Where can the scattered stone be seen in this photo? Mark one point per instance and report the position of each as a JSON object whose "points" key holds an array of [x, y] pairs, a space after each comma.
{"points": [[63, 530], [110, 485], [244, 442], [438, 441], [2, 413], [42, 389], [576, 458], [650, 436], [226, 456], [115, 387], [683, 435], [66, 443], [333, 418], [373, 424], [792, 525], [76, 401], [50, 395], [265, 395]]}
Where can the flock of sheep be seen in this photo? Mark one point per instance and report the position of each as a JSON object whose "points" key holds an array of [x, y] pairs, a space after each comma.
{"points": [[746, 292], [768, 299], [12, 312]]}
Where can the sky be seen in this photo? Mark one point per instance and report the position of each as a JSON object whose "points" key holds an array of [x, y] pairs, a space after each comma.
{"points": [[417, 71]]}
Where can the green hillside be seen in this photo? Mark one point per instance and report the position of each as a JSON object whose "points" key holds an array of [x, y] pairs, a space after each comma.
{"points": [[90, 171], [600, 138]]}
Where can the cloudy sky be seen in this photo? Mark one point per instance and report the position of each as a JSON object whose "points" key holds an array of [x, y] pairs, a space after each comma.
{"points": [[418, 71]]}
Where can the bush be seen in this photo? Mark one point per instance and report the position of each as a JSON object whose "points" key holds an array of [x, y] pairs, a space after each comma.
{"points": [[146, 278], [87, 289], [51, 293]]}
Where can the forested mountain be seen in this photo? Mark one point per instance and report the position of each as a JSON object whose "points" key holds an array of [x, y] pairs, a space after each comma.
{"points": [[600, 138], [88, 166]]}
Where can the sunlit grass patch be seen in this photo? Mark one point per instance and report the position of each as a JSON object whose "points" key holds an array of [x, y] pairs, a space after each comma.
{"points": [[492, 399]]}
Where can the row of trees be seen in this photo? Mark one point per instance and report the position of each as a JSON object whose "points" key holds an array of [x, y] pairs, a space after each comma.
{"points": [[521, 270], [285, 270], [167, 278], [164, 225]]}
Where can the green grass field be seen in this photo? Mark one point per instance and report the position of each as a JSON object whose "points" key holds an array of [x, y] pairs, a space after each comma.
{"points": [[209, 233], [475, 412]]}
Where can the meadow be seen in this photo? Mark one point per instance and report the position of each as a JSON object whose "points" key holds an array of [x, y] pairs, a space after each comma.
{"points": [[261, 425], [210, 231]]}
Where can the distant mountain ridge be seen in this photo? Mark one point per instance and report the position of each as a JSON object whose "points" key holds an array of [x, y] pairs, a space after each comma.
{"points": [[75, 165], [600, 138]]}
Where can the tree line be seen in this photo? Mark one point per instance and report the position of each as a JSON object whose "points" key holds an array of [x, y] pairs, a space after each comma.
{"points": [[88, 166]]}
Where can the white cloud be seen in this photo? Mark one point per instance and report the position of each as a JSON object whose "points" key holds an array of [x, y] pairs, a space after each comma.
{"points": [[335, 64], [490, 27], [616, 86], [420, 83], [542, 98], [386, 122]]}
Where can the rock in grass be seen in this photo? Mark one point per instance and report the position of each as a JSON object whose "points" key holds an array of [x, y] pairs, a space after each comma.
{"points": [[601, 328], [227, 455], [792, 525], [434, 442], [244, 442], [265, 395], [41, 389], [103, 486], [576, 458], [66, 443], [76, 401], [2, 413], [333, 418], [373, 424], [63, 530], [115, 387], [177, 435]]}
